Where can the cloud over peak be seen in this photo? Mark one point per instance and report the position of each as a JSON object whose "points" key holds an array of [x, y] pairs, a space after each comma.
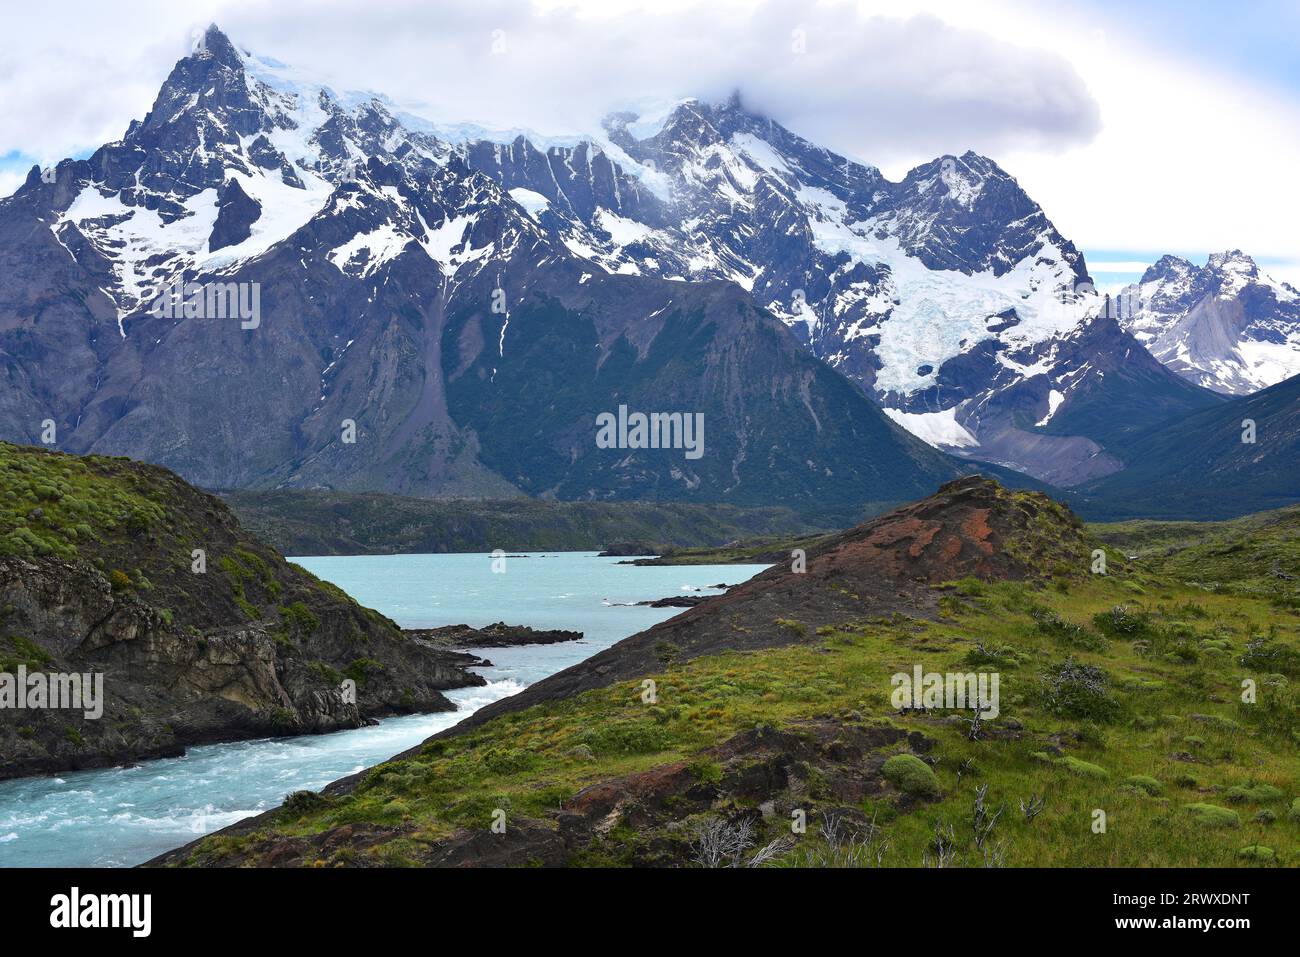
{"points": [[880, 88]]}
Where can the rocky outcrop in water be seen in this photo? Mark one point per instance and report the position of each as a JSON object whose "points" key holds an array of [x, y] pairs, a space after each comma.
{"points": [[498, 635], [675, 601]]}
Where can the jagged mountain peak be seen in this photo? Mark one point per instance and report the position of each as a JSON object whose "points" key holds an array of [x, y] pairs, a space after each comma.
{"points": [[1233, 266], [1231, 258], [968, 184], [692, 123], [733, 124], [204, 85], [723, 117], [1168, 267], [969, 165], [236, 154], [216, 44]]}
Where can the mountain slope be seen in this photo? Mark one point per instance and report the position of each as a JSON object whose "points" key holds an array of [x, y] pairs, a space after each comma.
{"points": [[1200, 467], [315, 522], [1256, 555]]}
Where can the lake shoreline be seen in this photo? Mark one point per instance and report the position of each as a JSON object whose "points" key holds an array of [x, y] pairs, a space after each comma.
{"points": [[124, 816]]}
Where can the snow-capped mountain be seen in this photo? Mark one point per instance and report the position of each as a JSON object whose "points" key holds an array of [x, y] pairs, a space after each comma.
{"points": [[949, 296], [399, 258], [885, 281], [425, 327], [1225, 326], [231, 160]]}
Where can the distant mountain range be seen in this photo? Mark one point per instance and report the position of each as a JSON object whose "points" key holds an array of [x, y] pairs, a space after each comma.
{"points": [[1225, 326], [442, 314], [405, 302]]}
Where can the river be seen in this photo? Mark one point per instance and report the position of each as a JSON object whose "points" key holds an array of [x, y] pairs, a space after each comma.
{"points": [[122, 816]]}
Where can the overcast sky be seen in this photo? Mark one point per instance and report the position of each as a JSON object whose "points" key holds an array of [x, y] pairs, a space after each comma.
{"points": [[1141, 128]]}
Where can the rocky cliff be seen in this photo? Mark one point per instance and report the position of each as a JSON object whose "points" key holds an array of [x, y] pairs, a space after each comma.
{"points": [[109, 567]]}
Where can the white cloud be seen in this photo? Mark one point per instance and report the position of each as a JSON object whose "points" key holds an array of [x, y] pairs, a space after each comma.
{"points": [[882, 88], [1188, 157], [10, 181], [1125, 147]]}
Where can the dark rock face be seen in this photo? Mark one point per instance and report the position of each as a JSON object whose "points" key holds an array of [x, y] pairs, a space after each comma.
{"points": [[252, 646], [235, 217]]}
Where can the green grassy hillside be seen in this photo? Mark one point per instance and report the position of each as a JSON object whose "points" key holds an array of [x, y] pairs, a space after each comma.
{"points": [[1256, 555], [1121, 701]]}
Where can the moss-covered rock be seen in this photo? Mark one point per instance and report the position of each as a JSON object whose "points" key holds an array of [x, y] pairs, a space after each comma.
{"points": [[1084, 769]]}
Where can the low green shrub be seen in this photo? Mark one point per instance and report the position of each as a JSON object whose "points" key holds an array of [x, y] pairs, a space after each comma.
{"points": [[1076, 690], [1212, 815], [1255, 794], [1145, 783], [1257, 853], [910, 774]]}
